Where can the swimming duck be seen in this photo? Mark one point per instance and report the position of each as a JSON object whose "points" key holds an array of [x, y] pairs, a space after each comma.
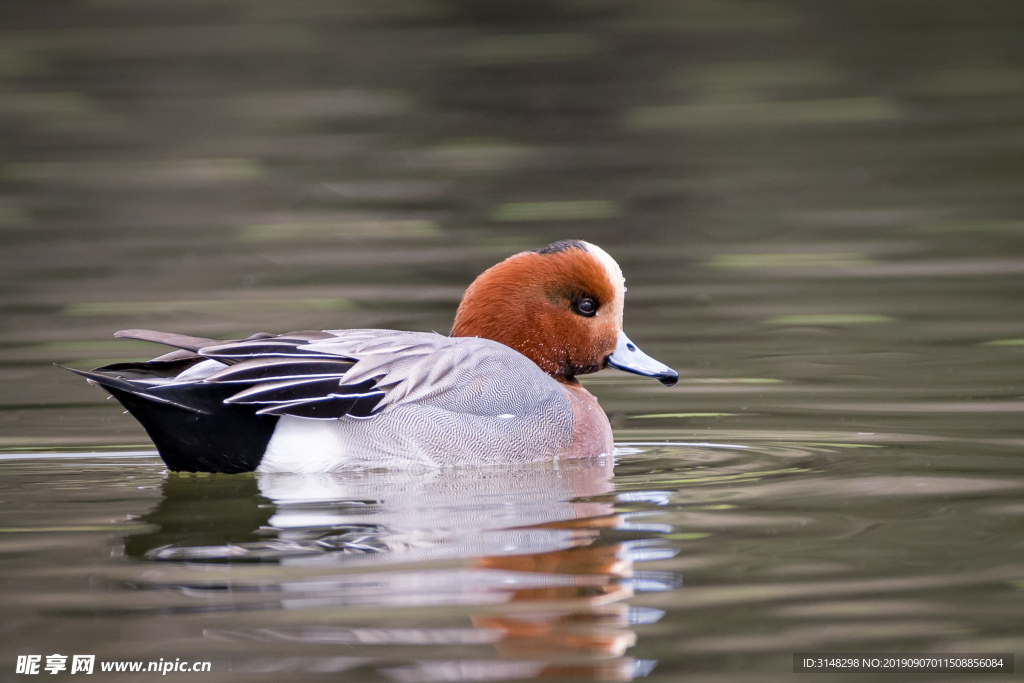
{"points": [[501, 389]]}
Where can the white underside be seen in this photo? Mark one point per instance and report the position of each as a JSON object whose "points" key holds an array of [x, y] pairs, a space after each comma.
{"points": [[304, 446]]}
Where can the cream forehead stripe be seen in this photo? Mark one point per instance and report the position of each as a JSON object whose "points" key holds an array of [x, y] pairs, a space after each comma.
{"points": [[613, 271]]}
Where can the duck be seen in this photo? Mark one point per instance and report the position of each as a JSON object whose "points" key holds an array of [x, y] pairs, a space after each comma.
{"points": [[501, 389]]}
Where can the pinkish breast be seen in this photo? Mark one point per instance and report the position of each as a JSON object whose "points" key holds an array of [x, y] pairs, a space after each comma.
{"points": [[593, 433]]}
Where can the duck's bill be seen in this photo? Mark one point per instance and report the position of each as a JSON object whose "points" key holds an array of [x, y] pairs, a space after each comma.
{"points": [[629, 358]]}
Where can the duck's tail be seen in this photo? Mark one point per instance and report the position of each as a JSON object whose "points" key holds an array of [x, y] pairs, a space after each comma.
{"points": [[192, 427]]}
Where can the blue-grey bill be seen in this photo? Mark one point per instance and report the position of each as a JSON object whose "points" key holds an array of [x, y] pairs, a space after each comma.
{"points": [[629, 358]]}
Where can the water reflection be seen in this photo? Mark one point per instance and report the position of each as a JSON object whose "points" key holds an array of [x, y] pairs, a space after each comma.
{"points": [[231, 509], [535, 562]]}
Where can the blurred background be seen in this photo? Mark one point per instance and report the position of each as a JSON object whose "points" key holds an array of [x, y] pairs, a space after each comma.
{"points": [[819, 210], [778, 179]]}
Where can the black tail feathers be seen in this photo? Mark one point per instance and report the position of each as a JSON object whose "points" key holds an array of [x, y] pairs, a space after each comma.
{"points": [[192, 427]]}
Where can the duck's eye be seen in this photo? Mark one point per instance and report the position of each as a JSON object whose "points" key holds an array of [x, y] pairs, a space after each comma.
{"points": [[586, 307]]}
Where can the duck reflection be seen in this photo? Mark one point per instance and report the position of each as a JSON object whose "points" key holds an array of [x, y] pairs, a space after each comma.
{"points": [[536, 558], [197, 512]]}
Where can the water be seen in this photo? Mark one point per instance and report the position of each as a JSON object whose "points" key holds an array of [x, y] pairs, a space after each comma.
{"points": [[699, 558], [818, 212]]}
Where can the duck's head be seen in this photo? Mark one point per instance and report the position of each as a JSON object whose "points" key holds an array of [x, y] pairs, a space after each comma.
{"points": [[561, 307]]}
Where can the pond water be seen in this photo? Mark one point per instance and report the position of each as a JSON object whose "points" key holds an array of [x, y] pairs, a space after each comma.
{"points": [[818, 210]]}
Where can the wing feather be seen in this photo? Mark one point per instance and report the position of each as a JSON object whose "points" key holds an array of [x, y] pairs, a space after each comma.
{"points": [[277, 347], [328, 407], [179, 341], [275, 368], [332, 374], [289, 391]]}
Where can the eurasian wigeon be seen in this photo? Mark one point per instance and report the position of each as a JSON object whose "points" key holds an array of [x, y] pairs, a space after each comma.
{"points": [[501, 389]]}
